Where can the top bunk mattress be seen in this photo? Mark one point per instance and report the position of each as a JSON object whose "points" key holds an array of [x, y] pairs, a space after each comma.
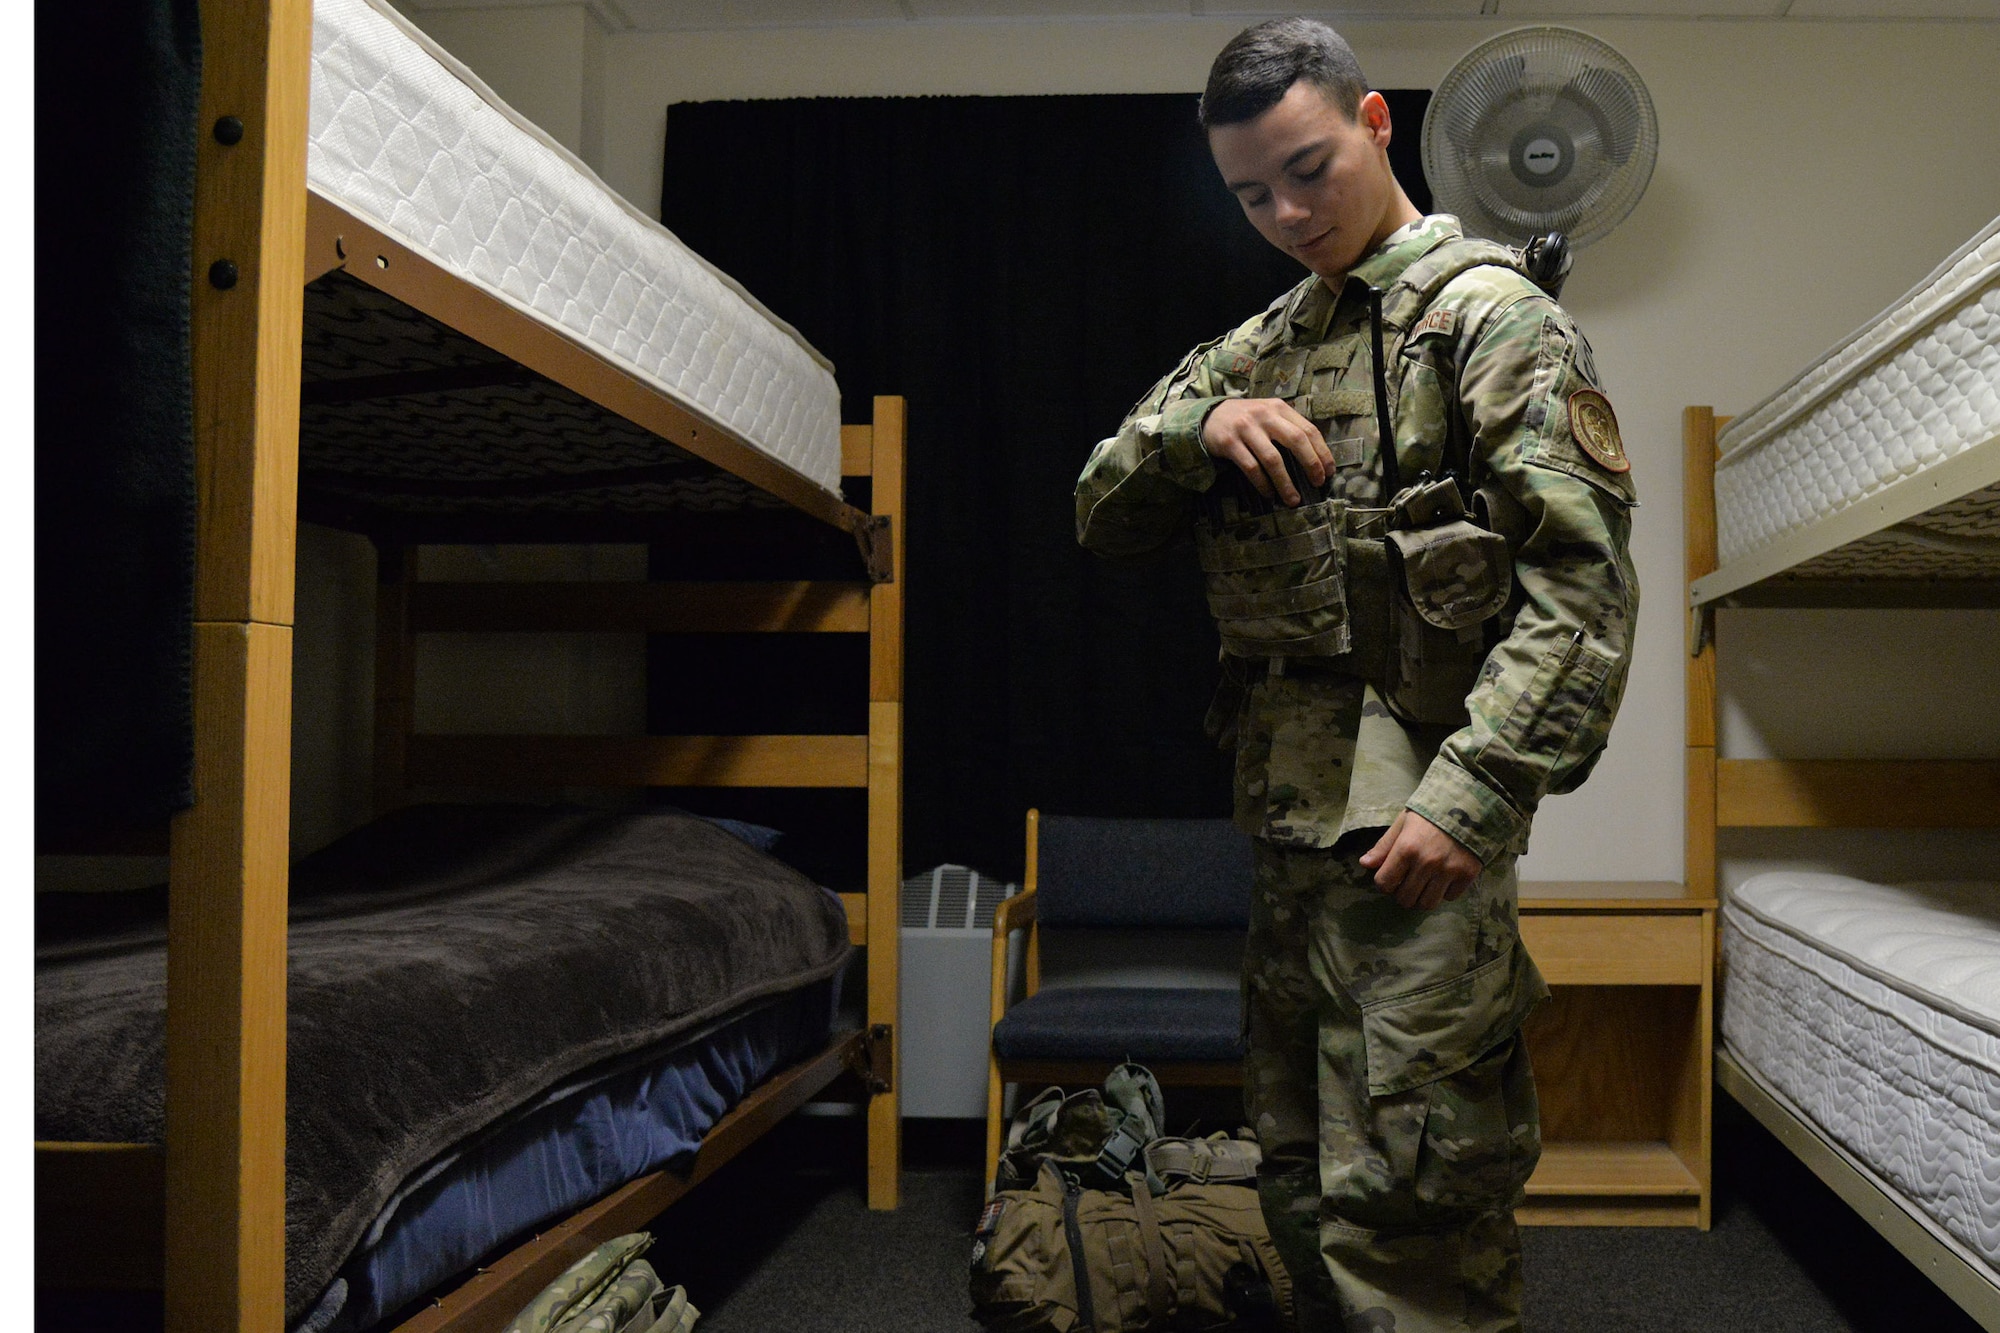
{"points": [[1875, 1009], [406, 137], [1827, 478]]}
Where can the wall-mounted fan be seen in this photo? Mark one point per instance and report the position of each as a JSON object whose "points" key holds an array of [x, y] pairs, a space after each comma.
{"points": [[1540, 130]]}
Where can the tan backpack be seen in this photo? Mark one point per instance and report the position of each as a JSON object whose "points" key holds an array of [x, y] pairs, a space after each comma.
{"points": [[1187, 1251]]}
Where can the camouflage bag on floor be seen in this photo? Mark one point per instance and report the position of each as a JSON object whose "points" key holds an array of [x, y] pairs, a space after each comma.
{"points": [[1175, 1239]]}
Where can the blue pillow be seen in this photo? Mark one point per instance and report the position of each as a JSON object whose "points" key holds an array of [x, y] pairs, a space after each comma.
{"points": [[757, 835]]}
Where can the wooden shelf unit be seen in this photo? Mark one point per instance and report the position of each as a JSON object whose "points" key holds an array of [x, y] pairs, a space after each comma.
{"points": [[1621, 1053]]}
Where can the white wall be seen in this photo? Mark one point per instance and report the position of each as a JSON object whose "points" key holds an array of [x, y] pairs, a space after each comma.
{"points": [[1809, 173], [545, 61]]}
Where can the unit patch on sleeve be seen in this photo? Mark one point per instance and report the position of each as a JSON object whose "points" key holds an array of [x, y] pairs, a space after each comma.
{"points": [[1594, 426], [1437, 321]]}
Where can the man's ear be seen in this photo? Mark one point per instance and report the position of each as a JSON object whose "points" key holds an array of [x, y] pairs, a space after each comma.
{"points": [[1373, 116]]}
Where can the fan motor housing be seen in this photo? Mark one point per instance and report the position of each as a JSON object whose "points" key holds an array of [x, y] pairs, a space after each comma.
{"points": [[1541, 156]]}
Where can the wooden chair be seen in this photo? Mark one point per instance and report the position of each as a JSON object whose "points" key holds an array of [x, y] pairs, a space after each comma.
{"points": [[1188, 874]]}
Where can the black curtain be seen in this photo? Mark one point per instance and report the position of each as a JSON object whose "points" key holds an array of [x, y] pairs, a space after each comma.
{"points": [[117, 89], [1021, 269]]}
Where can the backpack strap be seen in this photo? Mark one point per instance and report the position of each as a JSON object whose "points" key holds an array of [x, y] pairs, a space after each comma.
{"points": [[1204, 1161], [1159, 1281], [1126, 1146]]}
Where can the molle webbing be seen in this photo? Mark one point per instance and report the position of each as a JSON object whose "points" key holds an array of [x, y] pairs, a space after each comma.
{"points": [[1277, 581], [1318, 590], [1230, 557]]}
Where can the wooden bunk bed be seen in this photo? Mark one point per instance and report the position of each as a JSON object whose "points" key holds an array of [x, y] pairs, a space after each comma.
{"points": [[206, 1214], [1896, 435]]}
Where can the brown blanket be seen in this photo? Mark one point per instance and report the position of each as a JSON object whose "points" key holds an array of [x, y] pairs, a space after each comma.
{"points": [[447, 964]]}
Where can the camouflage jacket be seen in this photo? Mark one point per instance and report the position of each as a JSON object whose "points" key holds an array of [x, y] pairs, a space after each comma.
{"points": [[1497, 366]]}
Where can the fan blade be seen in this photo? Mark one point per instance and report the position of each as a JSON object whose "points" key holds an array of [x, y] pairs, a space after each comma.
{"points": [[1485, 88], [1613, 105]]}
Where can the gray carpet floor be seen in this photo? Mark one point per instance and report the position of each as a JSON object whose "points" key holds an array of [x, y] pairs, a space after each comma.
{"points": [[783, 1241]]}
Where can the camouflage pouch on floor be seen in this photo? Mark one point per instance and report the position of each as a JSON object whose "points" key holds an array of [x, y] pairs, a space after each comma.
{"points": [[580, 1284], [609, 1290]]}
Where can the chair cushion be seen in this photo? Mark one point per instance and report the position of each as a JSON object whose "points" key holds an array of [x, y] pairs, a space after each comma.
{"points": [[1142, 1023], [1142, 872]]}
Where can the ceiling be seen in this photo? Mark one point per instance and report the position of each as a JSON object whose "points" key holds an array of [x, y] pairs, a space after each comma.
{"points": [[673, 15]]}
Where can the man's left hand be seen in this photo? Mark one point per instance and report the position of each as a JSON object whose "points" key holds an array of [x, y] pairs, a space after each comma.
{"points": [[1420, 864]]}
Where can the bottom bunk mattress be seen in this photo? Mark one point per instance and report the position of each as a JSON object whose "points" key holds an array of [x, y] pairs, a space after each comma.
{"points": [[451, 968], [1875, 1010], [573, 1146]]}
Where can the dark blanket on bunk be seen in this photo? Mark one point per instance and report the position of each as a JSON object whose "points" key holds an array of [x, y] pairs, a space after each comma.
{"points": [[117, 87], [447, 964]]}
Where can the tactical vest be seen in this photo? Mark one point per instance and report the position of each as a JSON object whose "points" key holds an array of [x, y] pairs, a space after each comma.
{"points": [[1395, 592]]}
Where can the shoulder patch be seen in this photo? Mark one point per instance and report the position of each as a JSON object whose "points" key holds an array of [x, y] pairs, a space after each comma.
{"points": [[1594, 426], [1437, 321]]}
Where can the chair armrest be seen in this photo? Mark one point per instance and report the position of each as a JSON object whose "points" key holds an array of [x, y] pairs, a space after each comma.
{"points": [[1014, 913]]}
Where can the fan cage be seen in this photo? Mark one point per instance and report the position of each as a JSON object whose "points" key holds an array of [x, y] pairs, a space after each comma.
{"points": [[1561, 95]]}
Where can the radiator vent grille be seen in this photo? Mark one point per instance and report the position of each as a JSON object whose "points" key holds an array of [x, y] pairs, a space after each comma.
{"points": [[950, 897]]}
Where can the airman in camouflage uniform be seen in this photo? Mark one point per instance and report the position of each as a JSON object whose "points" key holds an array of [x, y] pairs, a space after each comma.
{"points": [[1384, 979]]}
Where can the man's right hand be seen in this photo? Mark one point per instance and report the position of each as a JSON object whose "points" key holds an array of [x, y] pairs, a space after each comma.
{"points": [[1249, 432]]}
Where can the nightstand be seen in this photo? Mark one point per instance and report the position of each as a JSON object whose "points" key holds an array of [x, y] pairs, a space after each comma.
{"points": [[1622, 1053]]}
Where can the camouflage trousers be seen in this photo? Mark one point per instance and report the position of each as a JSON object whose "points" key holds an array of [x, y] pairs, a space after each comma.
{"points": [[1390, 1094]]}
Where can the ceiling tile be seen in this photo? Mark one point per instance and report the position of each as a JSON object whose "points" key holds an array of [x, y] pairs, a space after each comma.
{"points": [[1424, 9], [668, 15], [1038, 9], [1523, 9], [1894, 9]]}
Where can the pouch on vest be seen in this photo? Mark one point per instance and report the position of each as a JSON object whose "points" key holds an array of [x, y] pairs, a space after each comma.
{"points": [[1450, 577], [1277, 581]]}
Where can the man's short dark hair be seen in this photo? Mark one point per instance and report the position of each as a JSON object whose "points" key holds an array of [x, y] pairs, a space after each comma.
{"points": [[1264, 60]]}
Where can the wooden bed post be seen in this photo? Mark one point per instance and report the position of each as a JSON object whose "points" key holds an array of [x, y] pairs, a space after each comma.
{"points": [[1693, 1110], [225, 1082], [1698, 502], [885, 803]]}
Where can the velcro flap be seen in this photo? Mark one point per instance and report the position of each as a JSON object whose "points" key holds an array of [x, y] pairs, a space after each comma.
{"points": [[1329, 403], [1333, 355], [1455, 575], [1350, 452]]}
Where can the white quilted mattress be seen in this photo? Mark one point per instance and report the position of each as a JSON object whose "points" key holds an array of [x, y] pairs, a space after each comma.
{"points": [[410, 139], [1916, 386], [1876, 1011]]}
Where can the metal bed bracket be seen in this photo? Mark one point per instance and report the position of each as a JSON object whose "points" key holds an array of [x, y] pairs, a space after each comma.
{"points": [[876, 537], [1701, 627], [873, 1059]]}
